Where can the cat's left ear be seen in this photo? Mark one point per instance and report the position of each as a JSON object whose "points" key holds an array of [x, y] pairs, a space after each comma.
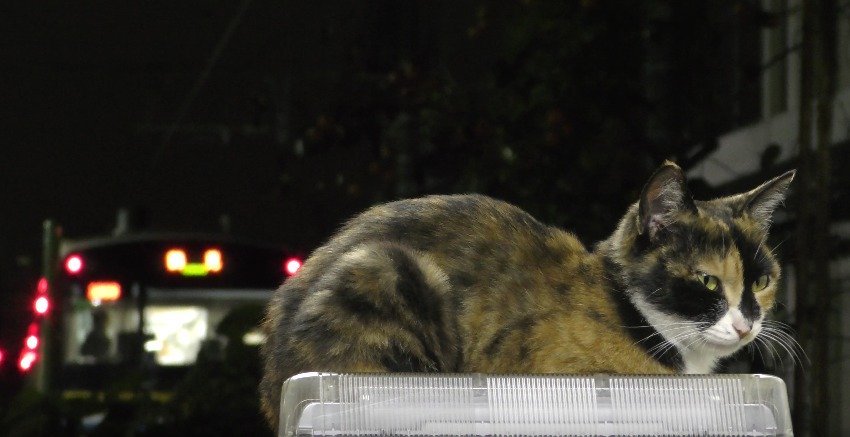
{"points": [[760, 202], [662, 198]]}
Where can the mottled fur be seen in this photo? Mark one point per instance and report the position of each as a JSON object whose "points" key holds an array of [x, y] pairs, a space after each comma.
{"points": [[467, 283]]}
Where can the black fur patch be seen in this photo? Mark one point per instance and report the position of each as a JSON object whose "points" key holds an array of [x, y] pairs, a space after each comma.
{"points": [[357, 304], [413, 289], [640, 330], [398, 359], [595, 315], [456, 302], [681, 296], [519, 327], [524, 352], [562, 289], [318, 331], [756, 263], [690, 299]]}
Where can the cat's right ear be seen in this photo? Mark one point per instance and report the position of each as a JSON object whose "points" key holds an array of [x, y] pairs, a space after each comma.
{"points": [[662, 198]]}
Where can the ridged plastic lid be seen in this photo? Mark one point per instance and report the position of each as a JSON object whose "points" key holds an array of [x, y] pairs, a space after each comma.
{"points": [[327, 404]]}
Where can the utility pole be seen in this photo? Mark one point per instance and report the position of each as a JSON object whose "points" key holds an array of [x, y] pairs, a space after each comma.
{"points": [[813, 295]]}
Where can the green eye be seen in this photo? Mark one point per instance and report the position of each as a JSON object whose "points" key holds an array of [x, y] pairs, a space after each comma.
{"points": [[711, 282], [761, 283]]}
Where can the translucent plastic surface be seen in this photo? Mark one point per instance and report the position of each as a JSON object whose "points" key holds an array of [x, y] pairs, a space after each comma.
{"points": [[325, 404]]}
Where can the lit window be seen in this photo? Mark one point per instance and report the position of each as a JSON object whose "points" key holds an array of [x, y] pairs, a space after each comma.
{"points": [[177, 333]]}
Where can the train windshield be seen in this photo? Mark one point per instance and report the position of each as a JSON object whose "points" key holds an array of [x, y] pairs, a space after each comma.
{"points": [[178, 326]]}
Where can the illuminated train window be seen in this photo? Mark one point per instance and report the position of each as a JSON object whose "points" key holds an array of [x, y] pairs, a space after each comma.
{"points": [[177, 333]]}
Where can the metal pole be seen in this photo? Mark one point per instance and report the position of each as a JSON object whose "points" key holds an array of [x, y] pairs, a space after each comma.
{"points": [[824, 76], [50, 248]]}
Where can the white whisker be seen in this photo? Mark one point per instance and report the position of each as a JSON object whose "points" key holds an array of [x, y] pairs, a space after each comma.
{"points": [[782, 330]]}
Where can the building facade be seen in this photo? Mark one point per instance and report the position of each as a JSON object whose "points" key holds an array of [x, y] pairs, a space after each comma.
{"points": [[769, 144]]}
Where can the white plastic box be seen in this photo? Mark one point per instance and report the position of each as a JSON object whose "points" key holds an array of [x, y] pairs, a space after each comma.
{"points": [[328, 404]]}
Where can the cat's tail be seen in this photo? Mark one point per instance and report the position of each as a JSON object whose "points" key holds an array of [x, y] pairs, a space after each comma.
{"points": [[380, 307]]}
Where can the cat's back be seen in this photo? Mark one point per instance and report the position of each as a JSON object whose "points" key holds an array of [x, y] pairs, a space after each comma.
{"points": [[428, 223], [405, 286], [450, 228]]}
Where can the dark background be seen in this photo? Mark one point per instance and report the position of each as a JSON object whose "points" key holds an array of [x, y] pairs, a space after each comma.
{"points": [[288, 117], [277, 120]]}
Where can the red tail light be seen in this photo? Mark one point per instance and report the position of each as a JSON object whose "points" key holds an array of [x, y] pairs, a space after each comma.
{"points": [[32, 342], [291, 266], [27, 360], [74, 264], [41, 305]]}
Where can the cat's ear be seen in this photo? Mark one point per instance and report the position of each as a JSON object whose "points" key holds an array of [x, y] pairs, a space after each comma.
{"points": [[662, 198], [760, 202]]}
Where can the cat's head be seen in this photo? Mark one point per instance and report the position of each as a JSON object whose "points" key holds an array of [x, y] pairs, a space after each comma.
{"points": [[700, 272]]}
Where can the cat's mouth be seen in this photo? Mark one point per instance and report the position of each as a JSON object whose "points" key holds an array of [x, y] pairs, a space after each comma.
{"points": [[726, 344], [723, 338]]}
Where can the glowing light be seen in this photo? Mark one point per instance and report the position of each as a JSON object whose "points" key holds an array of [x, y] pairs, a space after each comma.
{"points": [[194, 269], [103, 291], [42, 286], [2, 355], [154, 345], [32, 342], [74, 264], [175, 260], [42, 305], [291, 266], [213, 261], [253, 338], [27, 360]]}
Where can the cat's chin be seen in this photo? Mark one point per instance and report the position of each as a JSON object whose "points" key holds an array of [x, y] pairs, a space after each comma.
{"points": [[721, 342], [723, 348]]}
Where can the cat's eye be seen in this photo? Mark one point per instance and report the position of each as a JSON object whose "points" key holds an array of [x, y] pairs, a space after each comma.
{"points": [[761, 283], [709, 281]]}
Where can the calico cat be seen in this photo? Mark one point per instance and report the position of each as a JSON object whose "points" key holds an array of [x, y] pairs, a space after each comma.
{"points": [[466, 283]]}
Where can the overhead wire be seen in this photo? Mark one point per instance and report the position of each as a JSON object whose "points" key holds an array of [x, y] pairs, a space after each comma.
{"points": [[186, 105]]}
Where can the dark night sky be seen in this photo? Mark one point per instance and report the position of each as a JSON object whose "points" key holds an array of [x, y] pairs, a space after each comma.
{"points": [[78, 87], [81, 86], [87, 92]]}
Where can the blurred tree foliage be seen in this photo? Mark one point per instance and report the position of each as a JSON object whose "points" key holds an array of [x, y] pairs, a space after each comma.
{"points": [[558, 123]]}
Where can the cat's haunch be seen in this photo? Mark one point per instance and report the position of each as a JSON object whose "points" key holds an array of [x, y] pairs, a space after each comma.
{"points": [[466, 283]]}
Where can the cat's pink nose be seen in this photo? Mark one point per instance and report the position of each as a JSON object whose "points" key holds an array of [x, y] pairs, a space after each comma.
{"points": [[742, 329]]}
